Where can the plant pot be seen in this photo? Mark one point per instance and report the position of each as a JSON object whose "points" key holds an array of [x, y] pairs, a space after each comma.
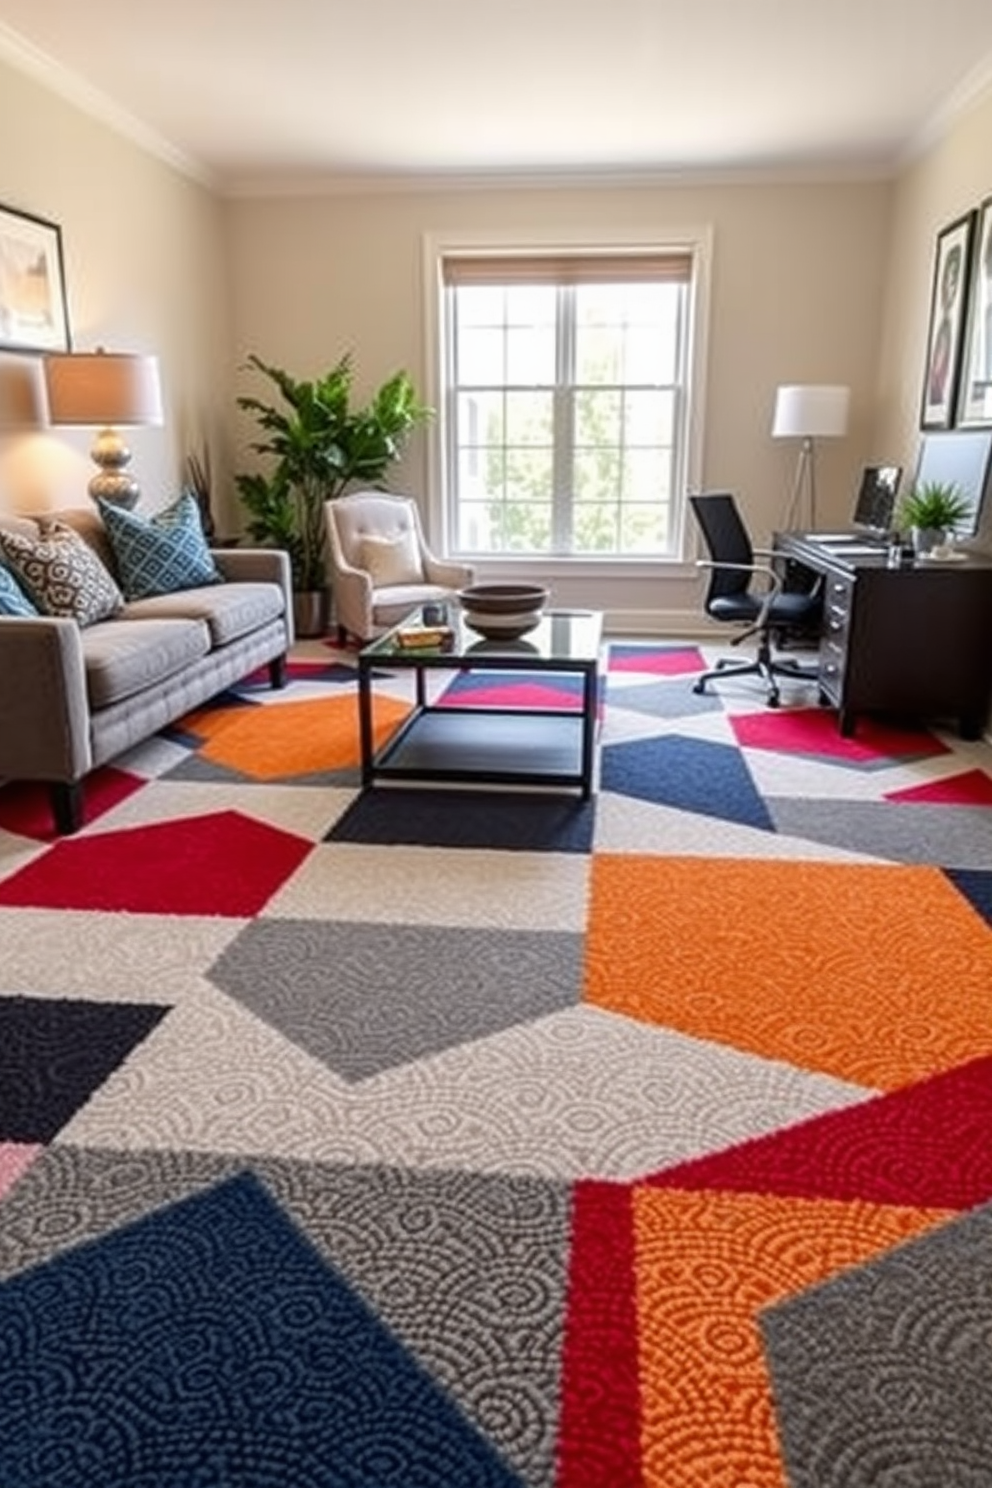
{"points": [[311, 611], [925, 539]]}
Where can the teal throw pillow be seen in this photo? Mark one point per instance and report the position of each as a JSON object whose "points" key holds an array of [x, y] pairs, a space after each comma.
{"points": [[161, 553], [13, 600]]}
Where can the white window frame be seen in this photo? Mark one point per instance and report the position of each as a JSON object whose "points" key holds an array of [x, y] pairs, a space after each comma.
{"points": [[694, 240]]}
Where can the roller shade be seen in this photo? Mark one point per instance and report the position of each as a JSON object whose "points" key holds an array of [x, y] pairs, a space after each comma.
{"points": [[557, 268]]}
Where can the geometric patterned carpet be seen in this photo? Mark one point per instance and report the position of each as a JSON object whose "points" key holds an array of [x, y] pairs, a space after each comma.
{"points": [[426, 1137]]}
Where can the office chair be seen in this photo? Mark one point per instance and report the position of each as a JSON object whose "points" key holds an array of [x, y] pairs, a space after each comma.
{"points": [[730, 596]]}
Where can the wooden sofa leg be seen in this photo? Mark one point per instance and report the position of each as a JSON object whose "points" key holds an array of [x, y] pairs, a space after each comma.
{"points": [[342, 636], [67, 806], [277, 671]]}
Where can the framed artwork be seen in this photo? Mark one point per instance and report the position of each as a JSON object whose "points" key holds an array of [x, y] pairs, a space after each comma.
{"points": [[33, 315], [975, 392], [948, 295]]}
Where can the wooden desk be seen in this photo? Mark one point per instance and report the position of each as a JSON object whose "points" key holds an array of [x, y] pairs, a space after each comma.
{"points": [[915, 643]]}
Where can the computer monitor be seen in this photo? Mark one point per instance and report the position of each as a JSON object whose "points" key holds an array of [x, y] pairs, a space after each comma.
{"points": [[876, 499], [959, 457]]}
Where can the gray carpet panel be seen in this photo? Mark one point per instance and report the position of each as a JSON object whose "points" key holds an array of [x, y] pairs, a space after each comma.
{"points": [[469, 1272], [950, 836], [882, 1377], [398, 996]]}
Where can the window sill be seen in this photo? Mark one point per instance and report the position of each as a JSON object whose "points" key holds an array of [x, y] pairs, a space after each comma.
{"points": [[507, 567]]}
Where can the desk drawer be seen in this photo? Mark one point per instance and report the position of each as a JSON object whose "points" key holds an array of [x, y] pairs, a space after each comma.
{"points": [[832, 662]]}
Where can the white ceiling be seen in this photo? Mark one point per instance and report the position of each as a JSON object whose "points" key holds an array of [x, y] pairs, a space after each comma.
{"points": [[246, 91]]}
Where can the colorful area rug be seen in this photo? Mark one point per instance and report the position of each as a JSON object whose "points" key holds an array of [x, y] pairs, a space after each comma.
{"points": [[454, 1138]]}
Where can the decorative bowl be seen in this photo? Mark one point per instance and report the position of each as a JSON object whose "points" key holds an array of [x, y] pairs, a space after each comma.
{"points": [[503, 611]]}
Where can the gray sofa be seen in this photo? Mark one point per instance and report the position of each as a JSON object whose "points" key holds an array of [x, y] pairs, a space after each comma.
{"points": [[72, 698]]}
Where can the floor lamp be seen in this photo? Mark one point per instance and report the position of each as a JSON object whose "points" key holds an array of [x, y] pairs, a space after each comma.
{"points": [[808, 413]]}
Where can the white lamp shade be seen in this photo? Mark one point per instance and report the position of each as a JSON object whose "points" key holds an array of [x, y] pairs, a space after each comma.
{"points": [[804, 411], [103, 387]]}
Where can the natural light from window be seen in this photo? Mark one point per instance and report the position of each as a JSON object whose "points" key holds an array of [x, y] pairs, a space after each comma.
{"points": [[565, 404]]}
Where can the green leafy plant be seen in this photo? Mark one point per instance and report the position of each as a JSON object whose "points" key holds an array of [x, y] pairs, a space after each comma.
{"points": [[933, 507], [319, 445]]}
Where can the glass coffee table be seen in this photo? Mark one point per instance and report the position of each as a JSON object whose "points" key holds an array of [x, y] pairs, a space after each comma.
{"points": [[454, 741]]}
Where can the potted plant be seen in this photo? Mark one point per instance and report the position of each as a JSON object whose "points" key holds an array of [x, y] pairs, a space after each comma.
{"points": [[320, 446], [931, 512]]}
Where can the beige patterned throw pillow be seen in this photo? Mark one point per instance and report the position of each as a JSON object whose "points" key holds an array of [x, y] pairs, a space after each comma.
{"points": [[62, 574], [392, 560]]}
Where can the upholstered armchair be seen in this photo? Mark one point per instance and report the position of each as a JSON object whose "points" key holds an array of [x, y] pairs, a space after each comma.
{"points": [[381, 566]]}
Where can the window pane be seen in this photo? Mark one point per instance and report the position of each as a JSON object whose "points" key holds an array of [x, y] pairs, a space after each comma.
{"points": [[598, 354], [529, 474], [644, 529], [482, 305], [597, 475], [480, 418], [530, 418], [648, 418], [479, 357], [527, 527], [569, 409], [531, 305], [476, 528], [597, 417], [596, 527], [646, 475], [481, 473], [530, 355]]}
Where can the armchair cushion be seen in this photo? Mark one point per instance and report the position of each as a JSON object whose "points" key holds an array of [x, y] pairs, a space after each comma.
{"points": [[161, 553], [61, 573], [391, 560]]}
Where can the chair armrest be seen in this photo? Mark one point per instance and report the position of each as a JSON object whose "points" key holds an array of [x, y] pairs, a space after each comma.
{"points": [[43, 703], [761, 570], [445, 571]]}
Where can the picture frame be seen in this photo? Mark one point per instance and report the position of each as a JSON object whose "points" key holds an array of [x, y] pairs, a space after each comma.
{"points": [[33, 312], [948, 298], [975, 390]]}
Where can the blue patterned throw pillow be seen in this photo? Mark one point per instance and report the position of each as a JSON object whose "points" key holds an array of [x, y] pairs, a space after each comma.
{"points": [[161, 553], [13, 600]]}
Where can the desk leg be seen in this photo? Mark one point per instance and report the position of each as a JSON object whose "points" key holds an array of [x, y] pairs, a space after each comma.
{"points": [[590, 697], [365, 722], [847, 723]]}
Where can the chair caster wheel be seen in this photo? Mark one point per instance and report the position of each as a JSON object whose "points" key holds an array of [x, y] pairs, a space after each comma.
{"points": [[699, 687], [773, 700]]}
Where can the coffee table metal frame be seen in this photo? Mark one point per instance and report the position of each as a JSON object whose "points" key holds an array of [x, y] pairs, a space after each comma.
{"points": [[458, 742]]}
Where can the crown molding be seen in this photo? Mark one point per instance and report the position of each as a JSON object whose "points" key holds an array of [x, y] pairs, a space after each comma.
{"points": [[35, 63]]}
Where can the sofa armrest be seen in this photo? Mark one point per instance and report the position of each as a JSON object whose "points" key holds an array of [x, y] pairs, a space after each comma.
{"points": [[259, 565], [43, 703]]}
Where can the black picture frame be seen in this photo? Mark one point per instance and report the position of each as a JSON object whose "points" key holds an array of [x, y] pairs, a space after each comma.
{"points": [[974, 410], [33, 313], [948, 298]]}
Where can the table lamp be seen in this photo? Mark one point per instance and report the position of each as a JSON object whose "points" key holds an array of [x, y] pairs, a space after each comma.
{"points": [[809, 412], [105, 389]]}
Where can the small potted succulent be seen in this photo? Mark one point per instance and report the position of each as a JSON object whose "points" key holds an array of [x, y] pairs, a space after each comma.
{"points": [[931, 512]]}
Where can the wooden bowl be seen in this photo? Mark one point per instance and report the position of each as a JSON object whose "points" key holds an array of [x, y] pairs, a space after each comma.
{"points": [[503, 611]]}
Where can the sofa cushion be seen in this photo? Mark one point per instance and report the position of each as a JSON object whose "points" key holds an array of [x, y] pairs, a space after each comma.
{"points": [[61, 573], [229, 611], [13, 600], [123, 659], [161, 553]]}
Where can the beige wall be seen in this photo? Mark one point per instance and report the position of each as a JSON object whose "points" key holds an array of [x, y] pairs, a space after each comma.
{"points": [[796, 291], [145, 271], [822, 281], [953, 176]]}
